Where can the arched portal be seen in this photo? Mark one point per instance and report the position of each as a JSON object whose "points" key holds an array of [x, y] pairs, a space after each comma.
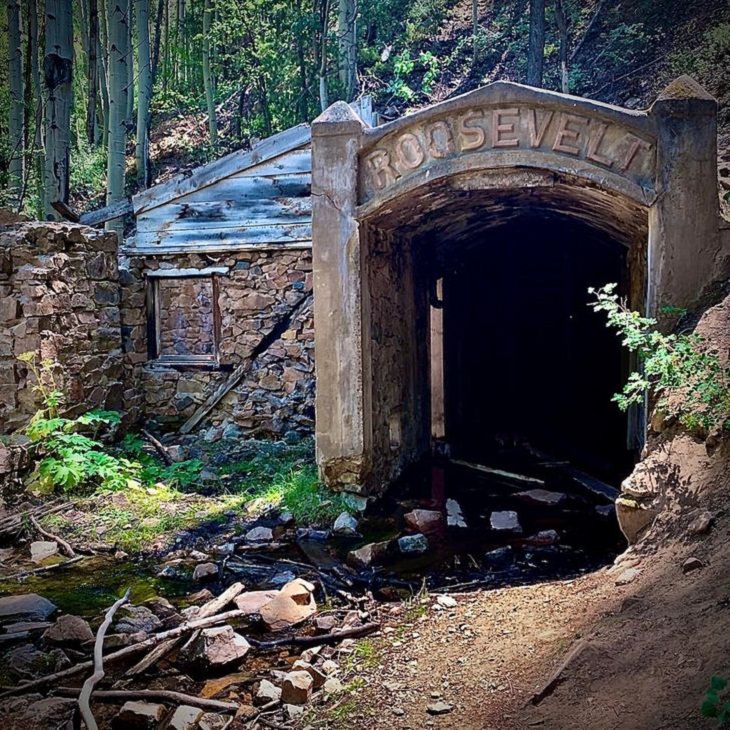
{"points": [[452, 252]]}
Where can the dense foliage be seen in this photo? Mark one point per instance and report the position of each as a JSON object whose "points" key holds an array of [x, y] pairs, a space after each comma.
{"points": [[680, 371]]}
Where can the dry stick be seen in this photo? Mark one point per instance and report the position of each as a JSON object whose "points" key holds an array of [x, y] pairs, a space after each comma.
{"points": [[45, 568], [98, 675], [125, 652], [159, 448], [119, 695], [332, 638], [65, 547]]}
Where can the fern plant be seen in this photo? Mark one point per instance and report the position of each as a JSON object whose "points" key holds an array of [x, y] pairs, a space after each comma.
{"points": [[680, 371]]}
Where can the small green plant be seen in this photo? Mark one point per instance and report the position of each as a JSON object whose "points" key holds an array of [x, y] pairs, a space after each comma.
{"points": [[679, 371], [179, 475], [715, 705], [72, 457]]}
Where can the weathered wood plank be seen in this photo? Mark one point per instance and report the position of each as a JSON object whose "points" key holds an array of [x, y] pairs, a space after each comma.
{"points": [[292, 162], [94, 217], [224, 213], [252, 188], [277, 233], [130, 249], [218, 170], [184, 273]]}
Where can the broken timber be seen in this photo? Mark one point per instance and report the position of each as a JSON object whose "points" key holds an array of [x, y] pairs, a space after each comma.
{"points": [[240, 372], [95, 217]]}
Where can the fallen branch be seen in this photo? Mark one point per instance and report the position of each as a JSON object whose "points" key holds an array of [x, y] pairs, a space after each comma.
{"points": [[98, 675], [498, 472], [162, 695], [333, 638], [44, 568], [154, 656], [216, 604], [159, 447], [125, 652], [65, 547]]}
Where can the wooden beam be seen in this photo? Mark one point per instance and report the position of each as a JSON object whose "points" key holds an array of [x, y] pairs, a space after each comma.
{"points": [[110, 212]]}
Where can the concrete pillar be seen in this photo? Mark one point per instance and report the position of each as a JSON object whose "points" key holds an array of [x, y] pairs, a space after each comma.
{"points": [[683, 222], [343, 431]]}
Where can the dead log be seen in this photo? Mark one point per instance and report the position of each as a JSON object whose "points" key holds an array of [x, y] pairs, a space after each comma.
{"points": [[509, 475], [154, 656], [98, 675], [124, 652], [162, 695], [333, 638], [65, 547]]}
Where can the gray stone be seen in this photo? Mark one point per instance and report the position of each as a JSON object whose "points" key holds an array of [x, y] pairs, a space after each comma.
{"points": [[205, 571], [413, 544], [136, 619], [333, 686], [627, 576], [266, 692], [542, 497], [325, 624], [296, 689], [69, 630], [282, 578], [692, 564], [318, 677], [367, 555], [345, 524], [439, 708], [424, 520], [218, 647], [252, 601], [499, 558], [505, 521], [544, 537], [213, 721], [185, 717], [41, 550], [28, 607], [139, 716], [701, 521], [53, 713], [259, 534], [356, 502], [454, 515]]}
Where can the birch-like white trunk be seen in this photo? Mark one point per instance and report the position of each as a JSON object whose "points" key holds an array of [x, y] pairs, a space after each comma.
{"points": [[57, 72], [208, 76], [16, 113], [118, 74], [144, 86]]}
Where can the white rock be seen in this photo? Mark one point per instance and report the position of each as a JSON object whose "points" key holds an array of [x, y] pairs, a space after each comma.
{"points": [[185, 717], [259, 534], [139, 716], [542, 496], [266, 692], [454, 515], [296, 689], [446, 601], [333, 686], [40, 550], [506, 521], [218, 647]]}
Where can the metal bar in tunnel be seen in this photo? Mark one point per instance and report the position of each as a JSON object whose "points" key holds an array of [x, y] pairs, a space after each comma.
{"points": [[438, 426]]}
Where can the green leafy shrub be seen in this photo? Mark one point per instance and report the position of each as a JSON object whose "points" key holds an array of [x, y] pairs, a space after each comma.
{"points": [[178, 475], [680, 371], [72, 457], [714, 705]]}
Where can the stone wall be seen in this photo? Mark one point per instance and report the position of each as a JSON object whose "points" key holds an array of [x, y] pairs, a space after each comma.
{"points": [[257, 293], [59, 298]]}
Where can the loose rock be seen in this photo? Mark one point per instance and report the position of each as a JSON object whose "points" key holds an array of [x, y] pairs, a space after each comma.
{"points": [[627, 576], [333, 686], [454, 515], [137, 619], [205, 571], [413, 544], [499, 558], [259, 534], [544, 537], [692, 564], [701, 522], [318, 678], [252, 601], [266, 692], [218, 647], [185, 717], [294, 604], [423, 520], [138, 716], [367, 555], [439, 708], [542, 497], [296, 689], [29, 607], [345, 524], [42, 549], [505, 521], [69, 630], [446, 601]]}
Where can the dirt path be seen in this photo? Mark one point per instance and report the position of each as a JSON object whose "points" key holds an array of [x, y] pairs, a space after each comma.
{"points": [[485, 656]]}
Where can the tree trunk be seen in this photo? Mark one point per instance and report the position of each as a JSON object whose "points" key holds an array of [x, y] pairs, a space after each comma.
{"points": [[208, 76], [34, 94], [536, 50], [102, 57], [144, 85], [563, 33], [118, 21], [58, 76], [347, 43], [474, 30], [16, 115], [129, 116], [158, 35], [92, 71], [323, 94]]}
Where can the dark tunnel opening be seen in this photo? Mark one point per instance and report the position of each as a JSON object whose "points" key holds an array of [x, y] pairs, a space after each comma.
{"points": [[525, 359]]}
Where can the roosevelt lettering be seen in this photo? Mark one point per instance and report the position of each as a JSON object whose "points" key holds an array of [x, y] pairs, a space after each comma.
{"points": [[594, 140]]}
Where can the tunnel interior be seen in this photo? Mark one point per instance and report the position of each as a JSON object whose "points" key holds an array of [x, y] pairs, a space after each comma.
{"points": [[526, 362], [481, 332]]}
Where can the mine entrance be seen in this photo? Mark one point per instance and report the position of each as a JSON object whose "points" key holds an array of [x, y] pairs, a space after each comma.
{"points": [[524, 361]]}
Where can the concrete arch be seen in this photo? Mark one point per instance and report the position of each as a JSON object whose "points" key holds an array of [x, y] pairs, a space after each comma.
{"points": [[646, 178]]}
